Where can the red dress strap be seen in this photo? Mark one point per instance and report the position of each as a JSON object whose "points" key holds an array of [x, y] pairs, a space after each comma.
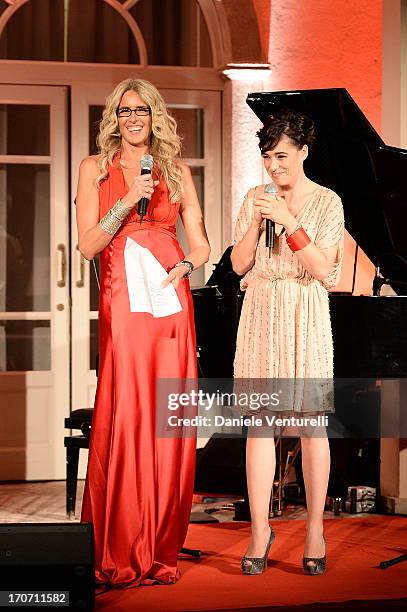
{"points": [[161, 212]]}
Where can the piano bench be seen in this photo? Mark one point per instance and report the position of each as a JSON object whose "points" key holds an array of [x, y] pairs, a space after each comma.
{"points": [[79, 419]]}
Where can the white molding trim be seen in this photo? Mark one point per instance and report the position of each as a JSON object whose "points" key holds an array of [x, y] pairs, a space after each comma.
{"points": [[25, 316], [9, 12], [219, 33], [129, 4], [394, 78], [70, 73], [25, 159]]}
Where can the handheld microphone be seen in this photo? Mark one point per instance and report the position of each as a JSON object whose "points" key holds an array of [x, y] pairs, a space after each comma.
{"points": [[146, 164], [270, 225]]}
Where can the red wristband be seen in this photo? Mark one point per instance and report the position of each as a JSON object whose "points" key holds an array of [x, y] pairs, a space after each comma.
{"points": [[298, 240]]}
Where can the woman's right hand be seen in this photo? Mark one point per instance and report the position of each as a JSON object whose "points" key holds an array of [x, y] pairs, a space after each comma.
{"points": [[257, 216], [142, 187]]}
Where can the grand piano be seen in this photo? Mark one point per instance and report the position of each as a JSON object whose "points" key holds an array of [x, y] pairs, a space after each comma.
{"points": [[370, 332]]}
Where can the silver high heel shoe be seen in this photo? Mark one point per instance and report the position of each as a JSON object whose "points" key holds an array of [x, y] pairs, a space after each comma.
{"points": [[314, 565], [257, 565]]}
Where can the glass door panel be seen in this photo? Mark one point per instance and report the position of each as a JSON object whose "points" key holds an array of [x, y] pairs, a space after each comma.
{"points": [[34, 288], [20, 136], [25, 345], [25, 237]]}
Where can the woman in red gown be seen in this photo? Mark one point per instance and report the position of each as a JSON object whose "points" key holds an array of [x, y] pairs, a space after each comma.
{"points": [[139, 486]]}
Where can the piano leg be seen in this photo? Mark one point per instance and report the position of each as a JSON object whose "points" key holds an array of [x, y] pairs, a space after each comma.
{"points": [[72, 461]]}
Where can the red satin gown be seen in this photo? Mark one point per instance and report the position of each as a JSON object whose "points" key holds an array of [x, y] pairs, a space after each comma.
{"points": [[139, 487]]}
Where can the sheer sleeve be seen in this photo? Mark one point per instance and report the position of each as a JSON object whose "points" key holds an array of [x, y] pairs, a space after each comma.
{"points": [[330, 233]]}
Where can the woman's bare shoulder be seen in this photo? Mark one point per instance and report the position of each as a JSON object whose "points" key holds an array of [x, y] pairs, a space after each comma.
{"points": [[90, 165], [185, 169]]}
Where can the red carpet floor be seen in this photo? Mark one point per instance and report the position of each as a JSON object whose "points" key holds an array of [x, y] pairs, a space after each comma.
{"points": [[355, 546]]}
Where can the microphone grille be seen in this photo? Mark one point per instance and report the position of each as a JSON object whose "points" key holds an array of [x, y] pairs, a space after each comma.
{"points": [[271, 188], [147, 162]]}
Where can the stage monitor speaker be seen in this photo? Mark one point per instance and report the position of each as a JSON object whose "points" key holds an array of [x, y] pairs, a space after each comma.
{"points": [[48, 557]]}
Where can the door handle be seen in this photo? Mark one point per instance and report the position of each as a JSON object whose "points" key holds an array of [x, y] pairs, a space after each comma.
{"points": [[61, 282], [81, 281]]}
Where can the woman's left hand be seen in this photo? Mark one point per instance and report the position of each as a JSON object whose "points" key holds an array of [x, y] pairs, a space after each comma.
{"points": [[174, 276], [273, 208]]}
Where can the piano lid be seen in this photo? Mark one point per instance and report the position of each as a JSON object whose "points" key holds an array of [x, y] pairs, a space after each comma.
{"points": [[350, 157]]}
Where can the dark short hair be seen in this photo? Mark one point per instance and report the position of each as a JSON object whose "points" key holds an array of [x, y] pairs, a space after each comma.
{"points": [[299, 128]]}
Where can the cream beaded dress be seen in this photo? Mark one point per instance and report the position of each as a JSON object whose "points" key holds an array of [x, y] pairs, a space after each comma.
{"points": [[285, 328]]}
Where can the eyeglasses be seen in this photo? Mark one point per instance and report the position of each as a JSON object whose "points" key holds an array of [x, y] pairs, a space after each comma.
{"points": [[141, 111]]}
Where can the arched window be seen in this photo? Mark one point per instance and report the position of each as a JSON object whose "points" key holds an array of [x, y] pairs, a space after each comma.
{"points": [[146, 32]]}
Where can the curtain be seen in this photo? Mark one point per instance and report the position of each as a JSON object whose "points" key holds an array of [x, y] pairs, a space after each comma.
{"points": [[174, 31]]}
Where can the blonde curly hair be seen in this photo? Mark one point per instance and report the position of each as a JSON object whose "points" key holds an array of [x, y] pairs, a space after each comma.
{"points": [[166, 144]]}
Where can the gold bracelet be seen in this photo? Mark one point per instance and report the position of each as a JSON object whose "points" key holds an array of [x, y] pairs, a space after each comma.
{"points": [[113, 220], [120, 210], [110, 224]]}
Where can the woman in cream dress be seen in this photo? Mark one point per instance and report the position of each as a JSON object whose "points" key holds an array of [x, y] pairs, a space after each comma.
{"points": [[285, 329]]}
